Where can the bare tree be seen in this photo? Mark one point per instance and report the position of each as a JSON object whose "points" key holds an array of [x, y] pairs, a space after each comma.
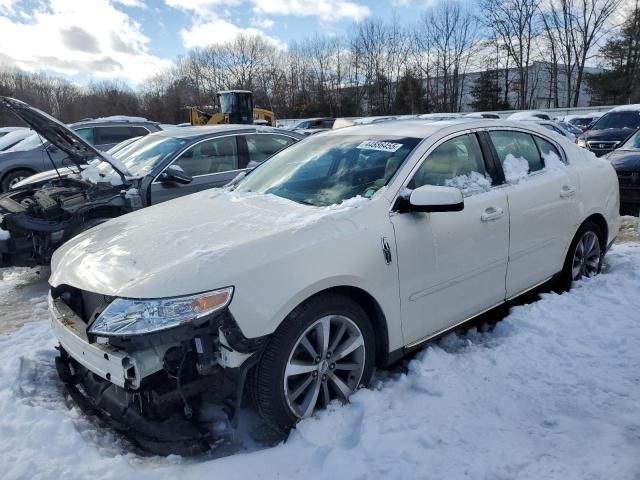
{"points": [[513, 22], [451, 33]]}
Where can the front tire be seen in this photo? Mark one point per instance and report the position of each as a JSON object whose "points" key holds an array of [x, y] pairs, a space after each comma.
{"points": [[584, 258], [323, 351], [13, 177]]}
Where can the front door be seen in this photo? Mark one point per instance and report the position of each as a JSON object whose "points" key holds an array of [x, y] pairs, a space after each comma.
{"points": [[211, 163], [452, 265]]}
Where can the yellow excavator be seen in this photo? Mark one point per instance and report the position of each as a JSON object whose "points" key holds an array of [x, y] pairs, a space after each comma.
{"points": [[236, 106]]}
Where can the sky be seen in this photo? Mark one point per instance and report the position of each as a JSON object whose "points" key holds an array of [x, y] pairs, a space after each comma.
{"points": [[134, 39]]}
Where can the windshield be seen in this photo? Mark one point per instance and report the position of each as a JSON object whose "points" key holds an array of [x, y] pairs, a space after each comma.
{"points": [[632, 142], [32, 141], [327, 170], [142, 156], [628, 119]]}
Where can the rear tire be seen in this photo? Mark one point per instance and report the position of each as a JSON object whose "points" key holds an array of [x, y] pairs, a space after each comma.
{"points": [[14, 177], [584, 258], [324, 350]]}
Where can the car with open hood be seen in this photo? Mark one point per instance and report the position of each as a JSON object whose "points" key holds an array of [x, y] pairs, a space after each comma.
{"points": [[341, 253], [611, 130], [34, 153], [45, 210]]}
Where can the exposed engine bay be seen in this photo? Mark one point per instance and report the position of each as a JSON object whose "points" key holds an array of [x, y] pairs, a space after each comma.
{"points": [[150, 387], [39, 217]]}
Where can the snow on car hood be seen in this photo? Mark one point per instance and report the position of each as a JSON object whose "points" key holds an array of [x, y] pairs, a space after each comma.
{"points": [[196, 243]]}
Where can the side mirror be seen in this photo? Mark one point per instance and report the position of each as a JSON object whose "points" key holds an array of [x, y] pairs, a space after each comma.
{"points": [[174, 173], [52, 148], [429, 198]]}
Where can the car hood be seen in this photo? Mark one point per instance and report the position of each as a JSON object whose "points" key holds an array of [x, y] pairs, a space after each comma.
{"points": [[58, 134], [195, 243], [625, 160], [609, 134]]}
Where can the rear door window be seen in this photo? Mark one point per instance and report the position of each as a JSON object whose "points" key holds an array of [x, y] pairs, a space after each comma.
{"points": [[112, 135], [86, 134], [138, 132], [518, 154], [211, 156], [262, 146]]}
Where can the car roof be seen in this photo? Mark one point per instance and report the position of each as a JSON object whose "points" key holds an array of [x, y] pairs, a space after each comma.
{"points": [[418, 128], [113, 121], [626, 108], [198, 131]]}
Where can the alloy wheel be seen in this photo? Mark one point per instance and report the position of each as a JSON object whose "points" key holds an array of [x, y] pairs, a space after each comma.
{"points": [[586, 257], [326, 363], [15, 180]]}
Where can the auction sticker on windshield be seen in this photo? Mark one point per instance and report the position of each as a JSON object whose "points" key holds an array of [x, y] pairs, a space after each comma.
{"points": [[381, 146]]}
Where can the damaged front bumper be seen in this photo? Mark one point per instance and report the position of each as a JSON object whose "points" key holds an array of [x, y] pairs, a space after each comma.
{"points": [[138, 393]]}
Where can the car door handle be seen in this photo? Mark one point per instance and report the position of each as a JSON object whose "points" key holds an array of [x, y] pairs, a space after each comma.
{"points": [[567, 191], [492, 213]]}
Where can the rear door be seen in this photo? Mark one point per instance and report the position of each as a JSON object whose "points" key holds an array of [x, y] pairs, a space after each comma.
{"points": [[542, 204], [213, 162], [452, 265]]}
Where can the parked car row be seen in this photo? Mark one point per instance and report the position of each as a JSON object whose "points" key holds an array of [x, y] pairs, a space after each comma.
{"points": [[49, 208], [340, 254], [36, 154]]}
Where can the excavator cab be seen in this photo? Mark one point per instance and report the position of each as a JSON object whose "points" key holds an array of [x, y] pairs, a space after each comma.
{"points": [[237, 106]]}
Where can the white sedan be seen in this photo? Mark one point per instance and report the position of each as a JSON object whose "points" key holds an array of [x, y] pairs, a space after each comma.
{"points": [[340, 254]]}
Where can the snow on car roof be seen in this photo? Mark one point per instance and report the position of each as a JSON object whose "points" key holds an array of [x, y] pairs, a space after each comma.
{"points": [[114, 119], [634, 107], [528, 114]]}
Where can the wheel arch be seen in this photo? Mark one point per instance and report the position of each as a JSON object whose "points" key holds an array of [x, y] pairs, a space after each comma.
{"points": [[601, 223], [15, 168], [374, 312]]}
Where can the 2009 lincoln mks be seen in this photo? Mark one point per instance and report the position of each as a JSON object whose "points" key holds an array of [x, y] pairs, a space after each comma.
{"points": [[338, 255]]}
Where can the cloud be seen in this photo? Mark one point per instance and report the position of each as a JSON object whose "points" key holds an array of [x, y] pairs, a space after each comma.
{"points": [[260, 22], [325, 10], [219, 31], [132, 3], [78, 37]]}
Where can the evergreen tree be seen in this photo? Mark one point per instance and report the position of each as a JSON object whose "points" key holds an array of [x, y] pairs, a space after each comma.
{"points": [[620, 81], [487, 93]]}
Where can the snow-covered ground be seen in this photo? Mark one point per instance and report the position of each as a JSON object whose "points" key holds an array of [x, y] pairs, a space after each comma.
{"points": [[551, 392]]}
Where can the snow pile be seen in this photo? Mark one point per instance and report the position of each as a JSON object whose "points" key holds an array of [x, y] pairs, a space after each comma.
{"points": [[553, 162], [94, 175], [515, 169], [529, 115], [115, 162], [550, 393], [120, 118], [471, 183]]}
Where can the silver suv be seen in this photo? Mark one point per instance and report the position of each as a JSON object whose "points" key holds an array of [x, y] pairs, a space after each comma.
{"points": [[34, 154]]}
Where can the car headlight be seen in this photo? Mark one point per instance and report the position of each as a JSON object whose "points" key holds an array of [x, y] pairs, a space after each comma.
{"points": [[581, 142], [126, 316]]}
